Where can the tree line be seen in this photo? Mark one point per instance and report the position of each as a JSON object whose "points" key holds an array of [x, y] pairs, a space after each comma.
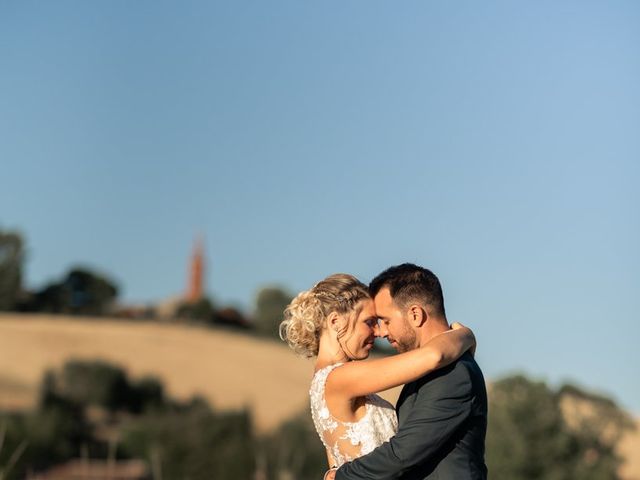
{"points": [[83, 291], [93, 408], [79, 292]]}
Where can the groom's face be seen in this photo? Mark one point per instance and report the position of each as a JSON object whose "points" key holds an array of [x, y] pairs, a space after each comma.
{"points": [[394, 324]]}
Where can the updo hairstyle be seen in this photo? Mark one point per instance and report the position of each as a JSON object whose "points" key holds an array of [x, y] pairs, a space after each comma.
{"points": [[304, 316]]}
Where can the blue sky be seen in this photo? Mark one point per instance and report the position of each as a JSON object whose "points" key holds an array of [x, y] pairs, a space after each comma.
{"points": [[495, 143]]}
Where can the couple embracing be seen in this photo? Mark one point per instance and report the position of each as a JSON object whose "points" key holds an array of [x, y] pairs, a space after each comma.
{"points": [[437, 430]]}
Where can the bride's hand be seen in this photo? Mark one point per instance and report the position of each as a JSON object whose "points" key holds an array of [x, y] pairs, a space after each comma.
{"points": [[457, 326], [330, 474]]}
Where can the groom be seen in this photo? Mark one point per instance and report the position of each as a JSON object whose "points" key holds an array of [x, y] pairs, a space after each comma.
{"points": [[442, 417]]}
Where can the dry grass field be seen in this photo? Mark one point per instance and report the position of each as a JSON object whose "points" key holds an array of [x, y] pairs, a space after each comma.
{"points": [[230, 370]]}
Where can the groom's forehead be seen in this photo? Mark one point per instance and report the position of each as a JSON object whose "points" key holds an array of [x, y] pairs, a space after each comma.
{"points": [[383, 300]]}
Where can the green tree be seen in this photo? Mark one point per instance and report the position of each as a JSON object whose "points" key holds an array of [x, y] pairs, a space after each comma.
{"points": [[51, 434], [202, 310], [231, 317], [269, 309], [294, 451], [597, 425], [530, 437], [82, 292], [9, 460], [95, 383], [194, 442], [11, 260], [147, 393], [179, 440], [98, 383]]}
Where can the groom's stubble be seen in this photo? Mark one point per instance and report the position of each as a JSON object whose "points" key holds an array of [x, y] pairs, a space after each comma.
{"points": [[407, 339]]}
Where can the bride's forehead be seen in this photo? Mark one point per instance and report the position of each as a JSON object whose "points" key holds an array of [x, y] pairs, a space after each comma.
{"points": [[367, 309]]}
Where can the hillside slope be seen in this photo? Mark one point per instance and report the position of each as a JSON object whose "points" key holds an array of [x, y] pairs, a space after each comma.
{"points": [[230, 370]]}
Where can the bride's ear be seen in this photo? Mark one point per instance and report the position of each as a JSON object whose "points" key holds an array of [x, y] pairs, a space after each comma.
{"points": [[333, 321]]}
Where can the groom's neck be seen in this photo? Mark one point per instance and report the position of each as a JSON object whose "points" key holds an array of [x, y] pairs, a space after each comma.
{"points": [[431, 328]]}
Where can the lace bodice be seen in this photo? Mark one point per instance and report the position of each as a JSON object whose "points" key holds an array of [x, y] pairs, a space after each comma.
{"points": [[346, 441]]}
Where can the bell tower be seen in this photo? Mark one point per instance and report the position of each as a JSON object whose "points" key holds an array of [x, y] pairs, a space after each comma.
{"points": [[196, 272]]}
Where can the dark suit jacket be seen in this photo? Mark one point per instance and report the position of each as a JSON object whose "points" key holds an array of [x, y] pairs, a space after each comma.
{"points": [[442, 422]]}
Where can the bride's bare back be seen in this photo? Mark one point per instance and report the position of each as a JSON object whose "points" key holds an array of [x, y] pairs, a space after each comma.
{"points": [[346, 441]]}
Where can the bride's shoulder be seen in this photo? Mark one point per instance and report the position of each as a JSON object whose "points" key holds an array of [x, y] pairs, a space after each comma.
{"points": [[324, 371], [319, 380]]}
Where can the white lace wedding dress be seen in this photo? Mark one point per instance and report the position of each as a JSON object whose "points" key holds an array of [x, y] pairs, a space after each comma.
{"points": [[346, 441]]}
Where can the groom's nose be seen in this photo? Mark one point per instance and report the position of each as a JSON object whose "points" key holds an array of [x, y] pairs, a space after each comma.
{"points": [[381, 330], [376, 330]]}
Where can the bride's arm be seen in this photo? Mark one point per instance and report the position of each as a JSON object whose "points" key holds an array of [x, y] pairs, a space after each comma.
{"points": [[330, 460], [355, 379]]}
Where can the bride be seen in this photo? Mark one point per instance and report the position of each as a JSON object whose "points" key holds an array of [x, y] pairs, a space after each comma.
{"points": [[336, 322]]}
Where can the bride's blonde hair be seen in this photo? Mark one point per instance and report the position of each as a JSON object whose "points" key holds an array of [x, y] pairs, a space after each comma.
{"points": [[304, 316]]}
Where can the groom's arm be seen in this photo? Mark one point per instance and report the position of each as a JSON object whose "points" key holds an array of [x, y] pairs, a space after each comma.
{"points": [[441, 406]]}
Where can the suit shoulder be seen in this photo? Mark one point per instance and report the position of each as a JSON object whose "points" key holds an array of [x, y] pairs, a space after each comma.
{"points": [[469, 364], [456, 376], [475, 378], [462, 375]]}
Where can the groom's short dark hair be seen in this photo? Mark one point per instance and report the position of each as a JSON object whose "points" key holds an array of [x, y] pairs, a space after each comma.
{"points": [[411, 283]]}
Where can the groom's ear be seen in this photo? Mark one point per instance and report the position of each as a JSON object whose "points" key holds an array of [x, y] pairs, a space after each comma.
{"points": [[417, 315]]}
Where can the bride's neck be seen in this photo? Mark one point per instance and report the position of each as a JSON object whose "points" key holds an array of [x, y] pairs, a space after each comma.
{"points": [[329, 352]]}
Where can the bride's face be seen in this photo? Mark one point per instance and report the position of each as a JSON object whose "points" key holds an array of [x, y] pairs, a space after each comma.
{"points": [[358, 341]]}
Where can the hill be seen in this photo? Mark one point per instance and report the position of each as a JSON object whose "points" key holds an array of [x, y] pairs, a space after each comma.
{"points": [[230, 370]]}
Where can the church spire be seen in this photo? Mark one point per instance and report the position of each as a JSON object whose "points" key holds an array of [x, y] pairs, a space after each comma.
{"points": [[196, 272]]}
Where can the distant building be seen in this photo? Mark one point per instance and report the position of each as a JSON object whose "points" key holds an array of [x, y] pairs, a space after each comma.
{"points": [[196, 273], [168, 308]]}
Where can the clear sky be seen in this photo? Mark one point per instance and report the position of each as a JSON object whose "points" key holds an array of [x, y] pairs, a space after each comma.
{"points": [[496, 143]]}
